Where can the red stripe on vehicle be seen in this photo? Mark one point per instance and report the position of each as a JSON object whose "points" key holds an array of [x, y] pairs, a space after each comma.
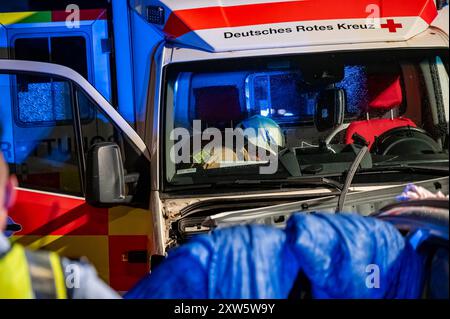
{"points": [[46, 214], [183, 21], [85, 14]]}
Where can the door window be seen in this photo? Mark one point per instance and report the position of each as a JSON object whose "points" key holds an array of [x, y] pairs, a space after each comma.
{"points": [[38, 136]]}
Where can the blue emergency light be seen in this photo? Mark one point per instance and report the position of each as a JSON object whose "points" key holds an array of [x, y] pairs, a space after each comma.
{"points": [[155, 15]]}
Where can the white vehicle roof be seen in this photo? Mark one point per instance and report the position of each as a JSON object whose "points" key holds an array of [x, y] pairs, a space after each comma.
{"points": [[235, 25]]}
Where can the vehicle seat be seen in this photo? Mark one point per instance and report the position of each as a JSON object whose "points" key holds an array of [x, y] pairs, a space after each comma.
{"points": [[385, 94]]}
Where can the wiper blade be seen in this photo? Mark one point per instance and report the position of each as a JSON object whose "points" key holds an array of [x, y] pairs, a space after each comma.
{"points": [[299, 181], [409, 168]]}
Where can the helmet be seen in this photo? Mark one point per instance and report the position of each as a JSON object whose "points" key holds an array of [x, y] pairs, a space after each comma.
{"points": [[268, 134]]}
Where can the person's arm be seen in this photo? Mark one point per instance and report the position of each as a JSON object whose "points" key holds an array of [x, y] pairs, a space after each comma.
{"points": [[83, 282]]}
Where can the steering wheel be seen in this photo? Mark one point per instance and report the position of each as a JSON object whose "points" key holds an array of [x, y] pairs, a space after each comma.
{"points": [[405, 140]]}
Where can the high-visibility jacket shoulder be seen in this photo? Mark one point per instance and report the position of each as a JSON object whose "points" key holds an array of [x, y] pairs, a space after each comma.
{"points": [[26, 274]]}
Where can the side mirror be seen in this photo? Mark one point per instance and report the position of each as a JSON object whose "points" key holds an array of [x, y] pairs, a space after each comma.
{"points": [[105, 177]]}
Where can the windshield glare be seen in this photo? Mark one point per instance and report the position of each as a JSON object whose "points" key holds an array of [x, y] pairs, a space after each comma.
{"points": [[278, 117]]}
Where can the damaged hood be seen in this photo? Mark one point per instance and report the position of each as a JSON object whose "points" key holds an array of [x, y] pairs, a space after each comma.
{"points": [[362, 202]]}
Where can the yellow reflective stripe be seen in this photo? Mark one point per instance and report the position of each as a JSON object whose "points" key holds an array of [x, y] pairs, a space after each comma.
{"points": [[15, 280], [201, 157], [58, 276]]}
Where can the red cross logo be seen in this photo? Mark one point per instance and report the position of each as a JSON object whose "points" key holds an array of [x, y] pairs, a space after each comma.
{"points": [[391, 25]]}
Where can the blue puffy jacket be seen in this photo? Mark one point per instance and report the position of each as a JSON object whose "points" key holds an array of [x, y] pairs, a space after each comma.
{"points": [[343, 256]]}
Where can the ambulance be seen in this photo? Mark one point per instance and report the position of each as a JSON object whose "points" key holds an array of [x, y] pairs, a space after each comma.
{"points": [[349, 103]]}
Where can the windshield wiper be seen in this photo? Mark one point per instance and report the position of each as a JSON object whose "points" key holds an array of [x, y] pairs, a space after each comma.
{"points": [[405, 167], [298, 181]]}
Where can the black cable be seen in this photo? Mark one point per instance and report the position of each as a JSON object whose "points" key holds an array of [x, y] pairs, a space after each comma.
{"points": [[352, 171]]}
